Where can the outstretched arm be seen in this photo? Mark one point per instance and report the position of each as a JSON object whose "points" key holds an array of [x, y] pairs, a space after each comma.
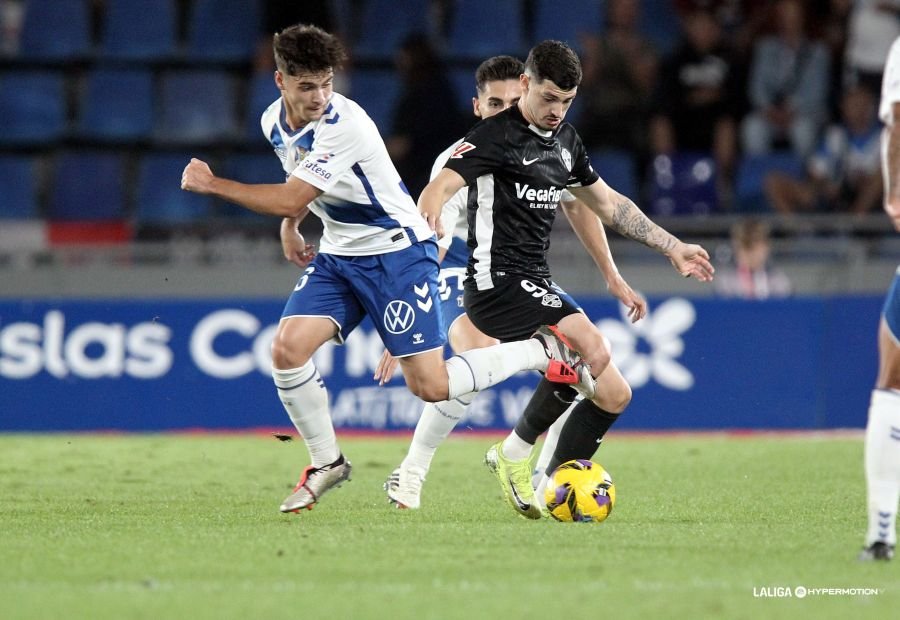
{"points": [[436, 193], [892, 167], [288, 199], [622, 215], [590, 232]]}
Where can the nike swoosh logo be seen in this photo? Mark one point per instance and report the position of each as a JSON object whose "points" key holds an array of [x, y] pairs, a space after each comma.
{"points": [[528, 162], [523, 505]]}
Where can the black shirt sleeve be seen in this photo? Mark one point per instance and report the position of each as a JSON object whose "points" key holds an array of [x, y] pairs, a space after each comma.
{"points": [[481, 152], [583, 173]]}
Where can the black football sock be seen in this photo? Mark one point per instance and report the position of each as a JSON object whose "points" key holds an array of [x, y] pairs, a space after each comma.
{"points": [[549, 401], [580, 436]]}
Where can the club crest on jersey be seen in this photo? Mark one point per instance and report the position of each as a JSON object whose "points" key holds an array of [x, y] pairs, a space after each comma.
{"points": [[551, 301], [567, 159], [464, 147], [298, 154], [399, 316]]}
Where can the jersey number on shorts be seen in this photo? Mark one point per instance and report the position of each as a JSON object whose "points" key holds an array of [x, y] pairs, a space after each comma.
{"points": [[535, 290], [309, 271]]}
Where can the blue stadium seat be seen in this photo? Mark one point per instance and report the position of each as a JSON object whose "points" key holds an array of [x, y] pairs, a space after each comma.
{"points": [[250, 168], [751, 173], [139, 29], [18, 196], [481, 29], [160, 199], [683, 184], [619, 170], [117, 104], [32, 107], [87, 186], [463, 83], [58, 30], [565, 21], [224, 30], [384, 25], [660, 23], [376, 90], [261, 93], [197, 106]]}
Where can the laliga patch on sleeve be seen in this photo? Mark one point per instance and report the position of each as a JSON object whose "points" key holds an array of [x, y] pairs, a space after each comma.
{"points": [[464, 147]]}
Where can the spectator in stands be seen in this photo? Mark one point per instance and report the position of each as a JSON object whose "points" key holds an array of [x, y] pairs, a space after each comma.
{"points": [[873, 26], [845, 172], [749, 274], [788, 86], [696, 107], [418, 130], [619, 77]]}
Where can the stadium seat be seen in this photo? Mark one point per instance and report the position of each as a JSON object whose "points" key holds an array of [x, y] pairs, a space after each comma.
{"points": [[376, 90], [87, 186], [683, 184], [223, 30], [660, 23], [18, 196], [261, 93], [481, 29], [117, 104], [139, 29], [751, 173], [160, 199], [463, 82], [384, 25], [57, 31], [197, 106], [32, 107], [618, 170], [566, 21]]}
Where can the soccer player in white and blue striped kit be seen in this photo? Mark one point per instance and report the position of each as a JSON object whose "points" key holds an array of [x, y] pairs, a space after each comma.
{"points": [[882, 444], [377, 257]]}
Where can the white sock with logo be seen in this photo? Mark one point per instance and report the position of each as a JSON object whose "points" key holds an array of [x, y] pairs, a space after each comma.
{"points": [[479, 369], [882, 460], [436, 423], [305, 399]]}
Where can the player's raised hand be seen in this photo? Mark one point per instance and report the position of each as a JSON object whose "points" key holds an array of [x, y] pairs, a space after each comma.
{"points": [[692, 261], [634, 301], [892, 208], [196, 176], [387, 365]]}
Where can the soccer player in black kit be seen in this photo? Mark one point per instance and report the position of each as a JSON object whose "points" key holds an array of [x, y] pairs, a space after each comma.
{"points": [[516, 164]]}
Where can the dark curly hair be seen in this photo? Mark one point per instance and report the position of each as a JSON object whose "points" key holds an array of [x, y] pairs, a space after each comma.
{"points": [[307, 49], [498, 68], [554, 60]]}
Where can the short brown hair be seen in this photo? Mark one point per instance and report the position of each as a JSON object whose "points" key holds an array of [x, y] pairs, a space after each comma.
{"points": [[555, 61], [307, 49], [498, 68]]}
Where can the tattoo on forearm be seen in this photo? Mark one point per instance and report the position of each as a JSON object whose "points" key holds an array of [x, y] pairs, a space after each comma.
{"points": [[629, 221]]}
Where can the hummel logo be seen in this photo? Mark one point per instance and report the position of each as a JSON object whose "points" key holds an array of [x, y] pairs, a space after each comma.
{"points": [[528, 162], [523, 505]]}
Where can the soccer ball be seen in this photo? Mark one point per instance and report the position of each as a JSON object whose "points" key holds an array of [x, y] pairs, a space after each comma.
{"points": [[581, 491]]}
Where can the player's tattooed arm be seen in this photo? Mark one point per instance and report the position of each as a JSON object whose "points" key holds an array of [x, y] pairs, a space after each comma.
{"points": [[629, 221]]}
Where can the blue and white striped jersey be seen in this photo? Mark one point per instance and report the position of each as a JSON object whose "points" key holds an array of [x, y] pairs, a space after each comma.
{"points": [[365, 207]]}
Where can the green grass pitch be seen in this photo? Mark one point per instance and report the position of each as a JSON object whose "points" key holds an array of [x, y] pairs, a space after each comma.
{"points": [[169, 526]]}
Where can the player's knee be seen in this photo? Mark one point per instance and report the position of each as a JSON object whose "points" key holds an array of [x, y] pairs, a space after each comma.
{"points": [[429, 390], [614, 400], [599, 359], [285, 353]]}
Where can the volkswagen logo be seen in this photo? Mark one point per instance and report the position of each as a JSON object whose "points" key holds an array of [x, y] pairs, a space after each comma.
{"points": [[399, 316]]}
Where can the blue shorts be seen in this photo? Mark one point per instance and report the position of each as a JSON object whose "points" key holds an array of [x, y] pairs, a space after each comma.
{"points": [[398, 290], [891, 309], [450, 283]]}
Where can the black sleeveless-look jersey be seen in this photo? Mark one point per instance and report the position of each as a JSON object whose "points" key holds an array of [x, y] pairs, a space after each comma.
{"points": [[516, 174]]}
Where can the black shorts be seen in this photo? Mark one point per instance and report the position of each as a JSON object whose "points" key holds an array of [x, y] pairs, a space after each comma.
{"points": [[517, 306]]}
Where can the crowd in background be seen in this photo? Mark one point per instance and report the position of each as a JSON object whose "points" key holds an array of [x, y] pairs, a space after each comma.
{"points": [[741, 80]]}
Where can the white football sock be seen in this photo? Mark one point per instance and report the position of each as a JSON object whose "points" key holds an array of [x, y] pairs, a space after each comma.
{"points": [[882, 460], [303, 395], [541, 486], [433, 427], [515, 448], [552, 438], [481, 368]]}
